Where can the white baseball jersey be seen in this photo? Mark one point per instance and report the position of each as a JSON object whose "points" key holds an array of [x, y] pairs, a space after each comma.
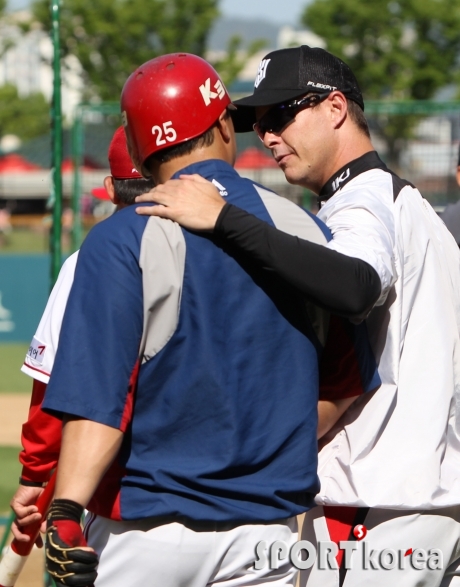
{"points": [[42, 350], [400, 447]]}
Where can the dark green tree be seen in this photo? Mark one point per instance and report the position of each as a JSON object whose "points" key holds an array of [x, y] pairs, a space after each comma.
{"points": [[397, 48], [110, 38], [6, 41], [26, 117]]}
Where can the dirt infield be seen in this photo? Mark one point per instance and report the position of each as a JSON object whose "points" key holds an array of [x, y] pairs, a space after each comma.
{"points": [[32, 574], [14, 408]]}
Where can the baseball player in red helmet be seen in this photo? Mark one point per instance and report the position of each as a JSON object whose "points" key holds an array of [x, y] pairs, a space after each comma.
{"points": [[393, 468], [186, 378], [41, 434]]}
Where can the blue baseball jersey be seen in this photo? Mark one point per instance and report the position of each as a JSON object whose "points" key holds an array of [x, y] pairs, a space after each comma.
{"points": [[208, 364]]}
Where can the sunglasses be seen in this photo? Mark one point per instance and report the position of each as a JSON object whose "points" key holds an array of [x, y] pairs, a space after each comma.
{"points": [[283, 114]]}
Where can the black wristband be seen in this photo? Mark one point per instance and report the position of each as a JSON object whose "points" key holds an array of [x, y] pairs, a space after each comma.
{"points": [[27, 483], [65, 509]]}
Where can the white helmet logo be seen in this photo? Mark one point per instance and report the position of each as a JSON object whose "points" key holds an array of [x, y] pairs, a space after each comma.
{"points": [[208, 94]]}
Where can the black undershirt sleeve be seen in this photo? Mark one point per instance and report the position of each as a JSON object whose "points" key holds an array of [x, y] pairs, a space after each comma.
{"points": [[344, 285]]}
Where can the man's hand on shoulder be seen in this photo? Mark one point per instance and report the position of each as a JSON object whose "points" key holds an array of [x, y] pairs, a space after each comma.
{"points": [[192, 201]]}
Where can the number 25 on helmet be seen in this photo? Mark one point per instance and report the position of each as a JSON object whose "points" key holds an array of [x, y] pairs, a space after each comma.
{"points": [[169, 100]]}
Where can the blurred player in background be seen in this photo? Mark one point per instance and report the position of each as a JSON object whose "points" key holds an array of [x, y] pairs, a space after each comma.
{"points": [[394, 462], [41, 434], [187, 380]]}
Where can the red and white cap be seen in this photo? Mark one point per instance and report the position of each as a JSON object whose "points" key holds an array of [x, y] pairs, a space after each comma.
{"points": [[121, 166]]}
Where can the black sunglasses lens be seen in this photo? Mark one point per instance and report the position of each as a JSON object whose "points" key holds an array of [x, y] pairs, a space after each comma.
{"points": [[276, 119], [282, 114]]}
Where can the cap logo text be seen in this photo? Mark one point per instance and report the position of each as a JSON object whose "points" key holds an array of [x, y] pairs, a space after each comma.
{"points": [[208, 94], [322, 86], [262, 72]]}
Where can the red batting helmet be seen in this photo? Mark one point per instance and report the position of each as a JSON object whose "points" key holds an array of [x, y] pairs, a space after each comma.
{"points": [[170, 100], [121, 166]]}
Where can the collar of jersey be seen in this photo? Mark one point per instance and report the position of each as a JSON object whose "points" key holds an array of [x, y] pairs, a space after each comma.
{"points": [[348, 172], [207, 169]]}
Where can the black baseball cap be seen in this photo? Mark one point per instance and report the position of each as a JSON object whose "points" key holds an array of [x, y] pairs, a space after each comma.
{"points": [[287, 74]]}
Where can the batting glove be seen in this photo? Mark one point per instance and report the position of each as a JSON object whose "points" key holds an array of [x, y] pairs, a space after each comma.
{"points": [[67, 559]]}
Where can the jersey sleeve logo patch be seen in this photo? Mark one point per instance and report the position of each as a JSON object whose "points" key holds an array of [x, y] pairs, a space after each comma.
{"points": [[37, 351]]}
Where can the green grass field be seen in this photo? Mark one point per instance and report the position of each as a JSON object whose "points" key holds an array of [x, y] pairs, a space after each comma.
{"points": [[11, 358], [11, 381], [10, 470], [28, 240], [25, 241]]}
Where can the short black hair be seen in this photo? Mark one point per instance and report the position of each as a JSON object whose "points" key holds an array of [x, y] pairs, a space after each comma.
{"points": [[127, 190], [206, 139]]}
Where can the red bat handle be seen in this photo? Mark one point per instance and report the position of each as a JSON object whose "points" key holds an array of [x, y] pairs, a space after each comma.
{"points": [[32, 530], [16, 555]]}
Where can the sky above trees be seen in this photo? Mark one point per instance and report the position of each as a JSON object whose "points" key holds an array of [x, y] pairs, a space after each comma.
{"points": [[289, 11], [264, 9]]}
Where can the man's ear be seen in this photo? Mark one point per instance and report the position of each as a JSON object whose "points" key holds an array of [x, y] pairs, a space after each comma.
{"points": [[458, 175], [338, 108], [225, 126], [110, 189]]}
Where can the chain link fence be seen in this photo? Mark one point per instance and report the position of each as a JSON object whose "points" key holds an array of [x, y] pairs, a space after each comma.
{"points": [[418, 140]]}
